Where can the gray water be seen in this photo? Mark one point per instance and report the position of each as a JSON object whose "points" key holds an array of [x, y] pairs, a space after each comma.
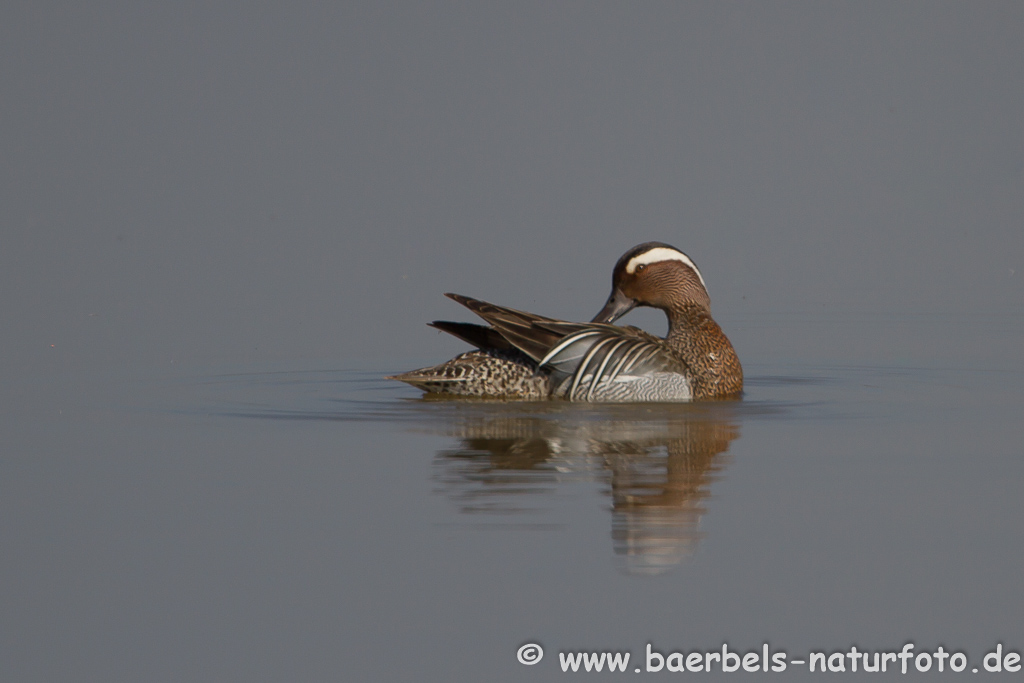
{"points": [[222, 226]]}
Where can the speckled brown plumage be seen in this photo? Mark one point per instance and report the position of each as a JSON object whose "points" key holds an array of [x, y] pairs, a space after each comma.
{"points": [[711, 362], [483, 373], [705, 355], [523, 356]]}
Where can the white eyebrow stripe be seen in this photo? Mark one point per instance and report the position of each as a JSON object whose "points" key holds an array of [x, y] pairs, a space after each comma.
{"points": [[662, 254]]}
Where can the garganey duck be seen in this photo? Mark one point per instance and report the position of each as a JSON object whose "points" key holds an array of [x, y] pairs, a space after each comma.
{"points": [[524, 356]]}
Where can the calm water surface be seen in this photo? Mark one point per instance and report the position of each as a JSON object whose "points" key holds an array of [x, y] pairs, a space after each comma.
{"points": [[221, 226], [294, 522]]}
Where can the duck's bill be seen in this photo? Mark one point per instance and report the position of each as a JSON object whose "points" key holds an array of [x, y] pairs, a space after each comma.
{"points": [[618, 305]]}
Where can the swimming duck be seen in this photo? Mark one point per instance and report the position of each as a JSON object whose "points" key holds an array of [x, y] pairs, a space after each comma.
{"points": [[524, 356]]}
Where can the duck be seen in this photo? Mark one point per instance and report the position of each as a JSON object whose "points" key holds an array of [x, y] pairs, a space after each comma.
{"points": [[524, 356]]}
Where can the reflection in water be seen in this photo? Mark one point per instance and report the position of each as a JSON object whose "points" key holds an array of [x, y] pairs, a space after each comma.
{"points": [[511, 459], [659, 460]]}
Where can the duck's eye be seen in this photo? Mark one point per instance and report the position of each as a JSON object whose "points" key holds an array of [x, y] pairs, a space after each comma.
{"points": [[641, 267]]}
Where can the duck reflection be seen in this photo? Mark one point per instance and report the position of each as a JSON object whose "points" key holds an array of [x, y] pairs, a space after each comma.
{"points": [[659, 462]]}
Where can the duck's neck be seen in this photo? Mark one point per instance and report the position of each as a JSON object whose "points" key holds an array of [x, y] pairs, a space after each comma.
{"points": [[706, 351], [685, 320]]}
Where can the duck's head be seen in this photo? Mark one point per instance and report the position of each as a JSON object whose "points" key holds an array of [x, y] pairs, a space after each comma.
{"points": [[653, 274]]}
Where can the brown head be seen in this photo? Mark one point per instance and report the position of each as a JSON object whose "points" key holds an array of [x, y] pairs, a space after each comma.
{"points": [[654, 274]]}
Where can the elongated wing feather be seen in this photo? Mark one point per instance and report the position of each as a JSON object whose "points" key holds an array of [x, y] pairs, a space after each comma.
{"points": [[526, 331], [480, 336]]}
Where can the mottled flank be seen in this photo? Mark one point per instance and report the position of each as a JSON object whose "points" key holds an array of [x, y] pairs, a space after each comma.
{"points": [[487, 373], [524, 356]]}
